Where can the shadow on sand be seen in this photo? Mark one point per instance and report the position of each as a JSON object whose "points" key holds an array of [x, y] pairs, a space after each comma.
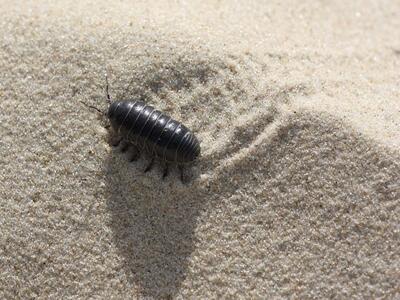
{"points": [[153, 221]]}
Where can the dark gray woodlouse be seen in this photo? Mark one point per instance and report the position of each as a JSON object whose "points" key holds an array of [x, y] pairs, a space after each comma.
{"points": [[148, 130]]}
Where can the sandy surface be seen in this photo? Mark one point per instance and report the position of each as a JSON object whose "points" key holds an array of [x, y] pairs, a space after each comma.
{"points": [[296, 103]]}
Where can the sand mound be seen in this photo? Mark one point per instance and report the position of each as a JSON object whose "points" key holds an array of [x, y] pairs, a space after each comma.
{"points": [[285, 201]]}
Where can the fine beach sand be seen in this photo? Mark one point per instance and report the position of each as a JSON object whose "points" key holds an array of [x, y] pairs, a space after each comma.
{"points": [[296, 194]]}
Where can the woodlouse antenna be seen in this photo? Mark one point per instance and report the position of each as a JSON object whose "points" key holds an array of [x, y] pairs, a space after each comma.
{"points": [[90, 106], [107, 93]]}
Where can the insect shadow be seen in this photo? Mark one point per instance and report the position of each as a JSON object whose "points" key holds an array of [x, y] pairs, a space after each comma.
{"points": [[153, 222]]}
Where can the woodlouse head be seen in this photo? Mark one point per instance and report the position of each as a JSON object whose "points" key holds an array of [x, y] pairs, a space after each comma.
{"points": [[115, 114], [112, 109]]}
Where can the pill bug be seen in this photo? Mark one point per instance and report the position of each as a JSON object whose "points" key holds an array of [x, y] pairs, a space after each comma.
{"points": [[149, 130]]}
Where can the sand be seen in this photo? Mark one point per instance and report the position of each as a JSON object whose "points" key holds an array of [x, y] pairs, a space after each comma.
{"points": [[296, 193]]}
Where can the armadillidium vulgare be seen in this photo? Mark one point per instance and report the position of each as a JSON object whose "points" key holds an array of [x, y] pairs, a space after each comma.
{"points": [[151, 131]]}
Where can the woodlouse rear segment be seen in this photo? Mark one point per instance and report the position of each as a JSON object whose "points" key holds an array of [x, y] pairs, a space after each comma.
{"points": [[153, 132]]}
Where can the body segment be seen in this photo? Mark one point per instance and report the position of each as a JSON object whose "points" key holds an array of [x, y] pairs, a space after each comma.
{"points": [[153, 132]]}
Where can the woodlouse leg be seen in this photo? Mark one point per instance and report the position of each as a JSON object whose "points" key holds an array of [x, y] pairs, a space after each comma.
{"points": [[181, 170], [135, 154], [124, 146], [116, 142], [150, 165], [165, 174]]}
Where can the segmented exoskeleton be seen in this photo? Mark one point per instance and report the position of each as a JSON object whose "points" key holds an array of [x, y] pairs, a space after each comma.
{"points": [[153, 132]]}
